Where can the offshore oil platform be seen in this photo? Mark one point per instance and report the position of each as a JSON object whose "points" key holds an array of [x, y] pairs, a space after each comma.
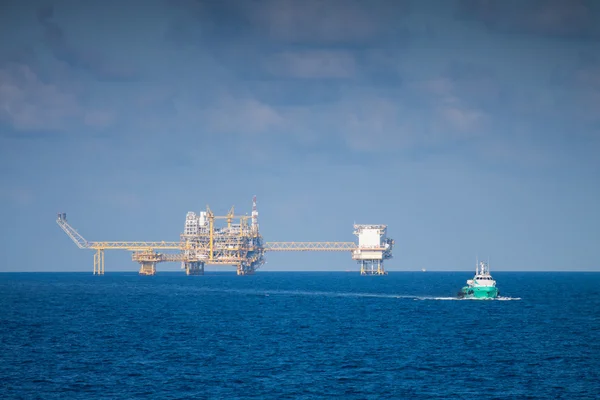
{"points": [[237, 243]]}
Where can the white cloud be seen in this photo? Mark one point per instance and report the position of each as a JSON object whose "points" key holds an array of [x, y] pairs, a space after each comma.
{"points": [[241, 116], [332, 21], [589, 76], [374, 124], [368, 123], [28, 103], [587, 84], [313, 64], [565, 18], [442, 87], [361, 121], [98, 118], [451, 112], [562, 17], [463, 119]]}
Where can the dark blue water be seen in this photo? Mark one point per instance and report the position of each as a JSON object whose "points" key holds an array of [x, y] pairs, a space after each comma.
{"points": [[297, 335]]}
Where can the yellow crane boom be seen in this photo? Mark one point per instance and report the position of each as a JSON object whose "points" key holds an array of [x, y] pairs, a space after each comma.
{"points": [[82, 243]]}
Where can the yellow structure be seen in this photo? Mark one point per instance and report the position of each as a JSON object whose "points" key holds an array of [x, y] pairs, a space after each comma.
{"points": [[310, 246], [141, 249], [203, 241]]}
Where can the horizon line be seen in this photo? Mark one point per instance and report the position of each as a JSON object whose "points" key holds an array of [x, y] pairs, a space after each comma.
{"points": [[258, 271]]}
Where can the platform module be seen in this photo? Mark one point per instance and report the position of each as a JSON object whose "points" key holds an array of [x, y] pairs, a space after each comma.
{"points": [[373, 248], [232, 241], [237, 243]]}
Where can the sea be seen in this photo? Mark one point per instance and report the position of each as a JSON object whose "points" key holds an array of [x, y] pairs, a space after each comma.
{"points": [[298, 335]]}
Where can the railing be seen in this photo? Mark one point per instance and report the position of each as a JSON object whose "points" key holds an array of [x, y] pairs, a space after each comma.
{"points": [[310, 246]]}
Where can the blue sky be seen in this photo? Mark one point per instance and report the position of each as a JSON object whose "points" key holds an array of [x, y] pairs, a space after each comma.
{"points": [[468, 127]]}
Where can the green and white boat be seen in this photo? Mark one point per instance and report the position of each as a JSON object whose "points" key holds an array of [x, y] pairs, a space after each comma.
{"points": [[482, 286]]}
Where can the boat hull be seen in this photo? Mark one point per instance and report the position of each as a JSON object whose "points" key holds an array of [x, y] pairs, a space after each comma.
{"points": [[479, 292]]}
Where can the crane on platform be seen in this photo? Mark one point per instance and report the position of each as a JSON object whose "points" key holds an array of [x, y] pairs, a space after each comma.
{"points": [[137, 247], [239, 244]]}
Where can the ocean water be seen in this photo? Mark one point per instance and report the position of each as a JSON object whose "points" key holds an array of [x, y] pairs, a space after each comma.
{"points": [[294, 335]]}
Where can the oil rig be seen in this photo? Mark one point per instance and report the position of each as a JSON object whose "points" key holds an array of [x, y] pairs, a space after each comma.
{"points": [[233, 241]]}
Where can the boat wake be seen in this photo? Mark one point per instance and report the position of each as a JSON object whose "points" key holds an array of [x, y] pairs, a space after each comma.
{"points": [[437, 298], [333, 294], [267, 293], [499, 298]]}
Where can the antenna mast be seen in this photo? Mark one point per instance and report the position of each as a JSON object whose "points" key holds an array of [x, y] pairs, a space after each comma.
{"points": [[254, 215]]}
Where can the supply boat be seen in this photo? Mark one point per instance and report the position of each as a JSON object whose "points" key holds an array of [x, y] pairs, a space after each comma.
{"points": [[482, 286]]}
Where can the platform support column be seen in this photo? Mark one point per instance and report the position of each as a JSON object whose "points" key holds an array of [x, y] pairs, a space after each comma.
{"points": [[380, 270], [246, 269], [372, 267], [194, 268], [147, 268], [99, 262]]}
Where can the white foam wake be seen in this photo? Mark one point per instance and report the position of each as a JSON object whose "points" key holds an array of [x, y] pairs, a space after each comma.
{"points": [[499, 298], [342, 294]]}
